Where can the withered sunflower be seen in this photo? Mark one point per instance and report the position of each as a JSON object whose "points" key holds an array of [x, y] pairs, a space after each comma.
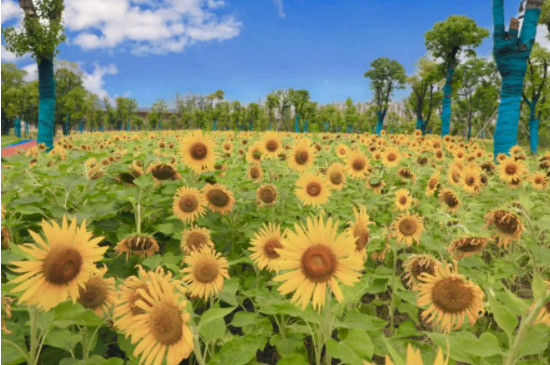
{"points": [[139, 244], [219, 198], [302, 155], [316, 257], [198, 151], [59, 264], [416, 265], [450, 298], [312, 189], [407, 228], [266, 195], [98, 293], [163, 172], [195, 238], [375, 184], [406, 174], [508, 226], [205, 272], [467, 246], [449, 199], [264, 247], [189, 204], [336, 174]]}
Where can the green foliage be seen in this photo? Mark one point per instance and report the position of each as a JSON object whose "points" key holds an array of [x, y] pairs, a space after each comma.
{"points": [[385, 76]]}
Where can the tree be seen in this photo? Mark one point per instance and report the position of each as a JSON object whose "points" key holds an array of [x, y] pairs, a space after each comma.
{"points": [[424, 92], [350, 116], [91, 107], [385, 76], [40, 33], [70, 94], [109, 117], [280, 99], [446, 41], [309, 111], [535, 90], [511, 55], [215, 98], [12, 82], [156, 116], [298, 98], [545, 16]]}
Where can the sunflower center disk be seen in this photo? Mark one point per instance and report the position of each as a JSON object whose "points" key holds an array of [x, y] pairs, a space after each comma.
{"points": [[62, 265], [301, 157], [510, 169], [163, 172], [254, 172], [199, 151], [450, 199], [272, 146], [218, 198], [188, 203], [166, 324], [408, 226], [336, 178], [196, 240], [417, 268], [206, 270], [452, 295], [268, 195], [94, 293], [361, 235], [138, 243], [391, 157], [269, 248], [432, 183], [403, 200], [313, 189], [358, 165], [506, 223], [319, 263]]}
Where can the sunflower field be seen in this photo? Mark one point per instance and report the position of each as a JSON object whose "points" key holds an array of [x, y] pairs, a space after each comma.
{"points": [[193, 247]]}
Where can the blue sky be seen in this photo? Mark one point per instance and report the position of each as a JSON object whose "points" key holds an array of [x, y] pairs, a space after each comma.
{"points": [[151, 49]]}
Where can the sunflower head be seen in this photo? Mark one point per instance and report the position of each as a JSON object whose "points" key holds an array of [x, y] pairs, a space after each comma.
{"points": [[302, 155], [141, 245], [509, 170], [198, 152], [358, 164], [189, 204], [266, 195], [507, 224], [219, 198], [255, 172], [163, 172], [195, 238], [271, 144], [255, 153], [312, 190], [264, 247], [539, 181], [407, 228], [375, 184], [359, 228], [336, 175], [391, 157], [403, 199], [467, 246], [449, 199], [205, 272], [98, 293], [406, 174], [416, 265]]}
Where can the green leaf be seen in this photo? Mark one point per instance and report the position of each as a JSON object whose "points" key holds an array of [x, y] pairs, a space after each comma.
{"points": [[539, 287], [293, 359], [241, 349], [228, 294], [503, 316], [28, 209], [355, 348], [288, 345], [63, 339], [212, 325]]}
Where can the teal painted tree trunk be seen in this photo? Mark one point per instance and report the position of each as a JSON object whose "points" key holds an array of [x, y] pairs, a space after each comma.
{"points": [[26, 129], [534, 124], [128, 126], [215, 125], [327, 126], [381, 115], [306, 126], [66, 126], [447, 101], [81, 126], [46, 103], [297, 123], [511, 54], [420, 124], [17, 127]]}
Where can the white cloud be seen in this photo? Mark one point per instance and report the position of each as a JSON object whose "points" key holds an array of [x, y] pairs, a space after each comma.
{"points": [[32, 72], [542, 37], [280, 8], [10, 10], [95, 82], [8, 56]]}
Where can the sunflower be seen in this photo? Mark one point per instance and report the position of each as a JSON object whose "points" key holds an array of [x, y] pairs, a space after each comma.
{"points": [[227, 147], [189, 204], [312, 190], [449, 297], [317, 256], [467, 246], [415, 265], [391, 157], [264, 247], [449, 200], [194, 239], [336, 174], [359, 229], [141, 245], [358, 164], [539, 181], [219, 198], [302, 155], [510, 170], [61, 262], [406, 174], [414, 358], [342, 151], [438, 154], [408, 228], [98, 293], [470, 180], [433, 183], [271, 144], [160, 331], [161, 172], [198, 151], [508, 225], [403, 199], [255, 172], [205, 273], [266, 195], [255, 153], [375, 184], [5, 238]]}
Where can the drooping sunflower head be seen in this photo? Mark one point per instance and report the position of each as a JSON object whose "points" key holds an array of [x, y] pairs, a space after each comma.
{"points": [[302, 155], [358, 164], [312, 189], [407, 229], [98, 293], [336, 174], [359, 229], [266, 195], [315, 256], [403, 199], [255, 172], [189, 204], [416, 265], [219, 198], [508, 226], [271, 144], [449, 297], [194, 239], [255, 153], [406, 174], [205, 273], [61, 262], [467, 246], [163, 172], [449, 199], [433, 183], [198, 151], [141, 245], [375, 184], [264, 247], [510, 170]]}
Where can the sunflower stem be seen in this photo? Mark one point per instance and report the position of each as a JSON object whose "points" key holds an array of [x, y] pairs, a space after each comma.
{"points": [[392, 299], [327, 330], [138, 212], [33, 350]]}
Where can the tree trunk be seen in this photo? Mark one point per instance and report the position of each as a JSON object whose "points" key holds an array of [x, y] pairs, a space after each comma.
{"points": [[81, 126], [420, 124], [533, 128], [215, 125], [17, 127], [380, 115], [46, 103], [66, 127], [297, 123], [447, 99]]}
